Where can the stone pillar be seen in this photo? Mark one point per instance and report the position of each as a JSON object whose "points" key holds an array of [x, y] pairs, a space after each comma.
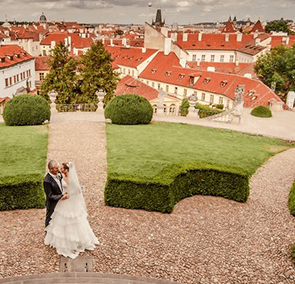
{"points": [[100, 94], [52, 96]]}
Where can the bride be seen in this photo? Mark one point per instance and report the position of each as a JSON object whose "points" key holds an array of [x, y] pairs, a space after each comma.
{"points": [[69, 231]]}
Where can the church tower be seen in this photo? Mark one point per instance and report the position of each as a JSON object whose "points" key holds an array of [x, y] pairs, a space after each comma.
{"points": [[158, 21]]}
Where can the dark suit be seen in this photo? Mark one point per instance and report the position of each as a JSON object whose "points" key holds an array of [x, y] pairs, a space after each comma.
{"points": [[53, 194]]}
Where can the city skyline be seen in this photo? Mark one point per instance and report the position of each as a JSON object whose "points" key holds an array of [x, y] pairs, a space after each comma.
{"points": [[138, 12]]}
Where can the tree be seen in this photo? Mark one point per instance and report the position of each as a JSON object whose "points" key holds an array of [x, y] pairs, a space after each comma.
{"points": [[62, 76], [97, 73], [277, 26], [184, 107], [278, 67]]}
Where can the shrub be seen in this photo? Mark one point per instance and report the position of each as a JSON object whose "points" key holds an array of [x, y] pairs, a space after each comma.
{"points": [[205, 111], [220, 106], [291, 200], [21, 192], [26, 110], [174, 183], [184, 107], [129, 110], [293, 252], [261, 111]]}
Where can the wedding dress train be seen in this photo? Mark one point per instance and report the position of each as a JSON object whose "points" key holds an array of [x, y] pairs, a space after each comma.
{"points": [[69, 230]]}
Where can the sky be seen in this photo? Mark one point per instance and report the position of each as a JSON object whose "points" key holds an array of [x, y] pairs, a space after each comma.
{"points": [[140, 11]]}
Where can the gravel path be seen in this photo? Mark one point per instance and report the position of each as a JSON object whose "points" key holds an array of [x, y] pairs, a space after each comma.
{"points": [[205, 240]]}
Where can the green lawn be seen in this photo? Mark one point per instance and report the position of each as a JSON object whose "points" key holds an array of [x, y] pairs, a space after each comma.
{"points": [[146, 149], [23, 149]]}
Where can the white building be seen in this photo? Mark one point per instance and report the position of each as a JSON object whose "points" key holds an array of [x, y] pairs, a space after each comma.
{"points": [[17, 71]]}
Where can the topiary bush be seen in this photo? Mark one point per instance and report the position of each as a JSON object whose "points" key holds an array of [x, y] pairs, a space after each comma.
{"points": [[26, 110], [173, 183], [205, 110], [261, 111], [129, 110], [291, 199]]}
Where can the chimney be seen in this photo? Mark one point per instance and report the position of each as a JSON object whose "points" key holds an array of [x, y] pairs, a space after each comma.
{"points": [[226, 37], [174, 36], [255, 34], [143, 50], [237, 62], [167, 47], [111, 42], [200, 37], [52, 44], [184, 37], [257, 41], [239, 37], [198, 62], [70, 42], [124, 41]]}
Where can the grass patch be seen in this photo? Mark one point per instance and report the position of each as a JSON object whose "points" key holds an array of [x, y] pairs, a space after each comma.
{"points": [[144, 150], [23, 150]]}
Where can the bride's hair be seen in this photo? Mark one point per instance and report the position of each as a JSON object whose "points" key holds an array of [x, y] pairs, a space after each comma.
{"points": [[66, 166]]}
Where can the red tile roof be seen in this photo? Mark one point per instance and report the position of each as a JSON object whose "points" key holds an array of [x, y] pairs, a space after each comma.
{"points": [[165, 69], [131, 57], [225, 67], [279, 40], [257, 27], [54, 36], [228, 28], [130, 85], [18, 55], [41, 63], [217, 41]]}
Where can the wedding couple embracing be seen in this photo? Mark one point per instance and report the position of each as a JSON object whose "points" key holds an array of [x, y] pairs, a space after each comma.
{"points": [[66, 225]]}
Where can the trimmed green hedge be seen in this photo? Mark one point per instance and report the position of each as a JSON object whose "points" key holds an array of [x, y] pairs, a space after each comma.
{"points": [[205, 110], [174, 183], [291, 199], [261, 111], [129, 110], [26, 110], [22, 192]]}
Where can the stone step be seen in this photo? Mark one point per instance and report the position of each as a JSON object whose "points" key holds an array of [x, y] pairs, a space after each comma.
{"points": [[83, 277]]}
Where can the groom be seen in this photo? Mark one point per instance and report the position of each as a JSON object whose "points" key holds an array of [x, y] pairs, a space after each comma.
{"points": [[53, 188]]}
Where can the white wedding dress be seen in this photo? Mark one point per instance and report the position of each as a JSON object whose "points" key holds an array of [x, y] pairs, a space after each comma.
{"points": [[69, 230]]}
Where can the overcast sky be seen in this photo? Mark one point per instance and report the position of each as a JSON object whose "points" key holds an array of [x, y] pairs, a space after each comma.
{"points": [[139, 11]]}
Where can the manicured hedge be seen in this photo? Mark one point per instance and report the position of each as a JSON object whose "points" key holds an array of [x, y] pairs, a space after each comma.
{"points": [[291, 199], [261, 111], [129, 110], [174, 183], [205, 110], [26, 110], [21, 192]]}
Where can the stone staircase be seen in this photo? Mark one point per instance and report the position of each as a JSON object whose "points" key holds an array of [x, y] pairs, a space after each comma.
{"points": [[82, 277]]}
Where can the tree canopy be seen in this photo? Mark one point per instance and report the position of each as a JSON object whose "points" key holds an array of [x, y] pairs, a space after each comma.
{"points": [[277, 67], [77, 80], [277, 26]]}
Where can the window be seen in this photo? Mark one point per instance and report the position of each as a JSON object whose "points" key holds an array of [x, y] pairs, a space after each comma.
{"points": [[221, 58], [147, 82], [14, 77], [172, 109], [24, 74], [212, 58], [228, 104], [167, 88], [10, 81], [164, 108], [220, 100], [129, 72], [194, 57], [155, 108], [41, 76], [21, 76], [211, 99], [159, 86], [203, 96], [203, 57], [123, 70], [29, 72], [231, 58], [133, 73], [184, 92], [17, 78], [44, 52], [6, 82], [175, 90], [153, 84]]}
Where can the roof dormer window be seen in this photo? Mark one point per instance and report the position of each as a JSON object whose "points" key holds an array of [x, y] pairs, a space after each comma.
{"points": [[168, 73], [223, 83], [207, 80], [154, 71], [181, 76]]}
